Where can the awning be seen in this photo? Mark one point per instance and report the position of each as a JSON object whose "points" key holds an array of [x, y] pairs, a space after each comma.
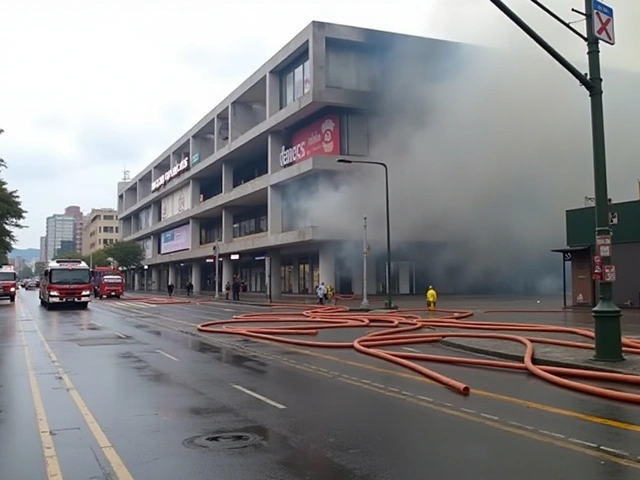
{"points": [[571, 249]]}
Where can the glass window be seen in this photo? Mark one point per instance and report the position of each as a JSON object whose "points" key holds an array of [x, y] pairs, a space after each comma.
{"points": [[289, 89], [306, 77], [298, 82], [74, 276]]}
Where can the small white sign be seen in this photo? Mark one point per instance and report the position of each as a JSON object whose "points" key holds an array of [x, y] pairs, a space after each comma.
{"points": [[603, 22]]}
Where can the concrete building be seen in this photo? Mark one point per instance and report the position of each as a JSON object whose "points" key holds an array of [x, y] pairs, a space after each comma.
{"points": [[236, 175], [43, 249], [75, 212], [101, 228], [60, 235]]}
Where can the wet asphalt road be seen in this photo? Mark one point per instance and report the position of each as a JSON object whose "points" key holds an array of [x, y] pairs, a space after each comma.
{"points": [[133, 391]]}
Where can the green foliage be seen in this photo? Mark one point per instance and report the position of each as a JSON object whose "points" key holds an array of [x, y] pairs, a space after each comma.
{"points": [[11, 214], [4, 259], [126, 254], [99, 258], [39, 268], [68, 256], [26, 272]]}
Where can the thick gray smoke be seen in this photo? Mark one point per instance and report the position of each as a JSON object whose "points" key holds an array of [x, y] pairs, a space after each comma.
{"points": [[486, 151]]}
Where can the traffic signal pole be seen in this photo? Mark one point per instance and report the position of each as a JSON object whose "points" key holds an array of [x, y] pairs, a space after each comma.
{"points": [[606, 315]]}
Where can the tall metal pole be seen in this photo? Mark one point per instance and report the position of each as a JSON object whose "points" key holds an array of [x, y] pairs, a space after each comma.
{"points": [[386, 185], [365, 300], [606, 315], [217, 263]]}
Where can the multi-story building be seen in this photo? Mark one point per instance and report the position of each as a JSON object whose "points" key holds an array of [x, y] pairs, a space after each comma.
{"points": [[60, 235], [76, 213], [244, 174], [43, 249], [101, 228]]}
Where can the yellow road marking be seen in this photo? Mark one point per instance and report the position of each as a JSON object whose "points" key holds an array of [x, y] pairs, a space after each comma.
{"points": [[495, 396], [119, 469], [52, 466]]}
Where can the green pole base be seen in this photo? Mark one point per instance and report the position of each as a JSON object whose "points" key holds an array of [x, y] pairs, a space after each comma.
{"points": [[608, 332], [390, 306]]}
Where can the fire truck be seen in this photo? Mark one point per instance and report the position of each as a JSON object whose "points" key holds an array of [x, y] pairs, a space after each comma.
{"points": [[8, 282], [65, 282], [107, 282]]}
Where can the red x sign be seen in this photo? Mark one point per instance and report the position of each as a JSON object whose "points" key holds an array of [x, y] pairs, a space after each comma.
{"points": [[602, 26]]}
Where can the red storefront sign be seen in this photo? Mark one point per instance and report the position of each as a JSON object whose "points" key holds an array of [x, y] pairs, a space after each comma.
{"points": [[319, 138]]}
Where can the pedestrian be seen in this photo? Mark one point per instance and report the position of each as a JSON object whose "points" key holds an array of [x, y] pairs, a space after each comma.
{"points": [[227, 289], [189, 288], [432, 298], [236, 288], [321, 292], [170, 288]]}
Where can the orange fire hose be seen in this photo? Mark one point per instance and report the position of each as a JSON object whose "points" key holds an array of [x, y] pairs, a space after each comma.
{"points": [[407, 327]]}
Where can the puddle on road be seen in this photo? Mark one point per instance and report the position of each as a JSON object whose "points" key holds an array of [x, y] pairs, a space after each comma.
{"points": [[144, 369], [228, 356]]}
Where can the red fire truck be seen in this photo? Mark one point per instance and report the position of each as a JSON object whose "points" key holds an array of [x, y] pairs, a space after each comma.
{"points": [[107, 282], [66, 282], [8, 282]]}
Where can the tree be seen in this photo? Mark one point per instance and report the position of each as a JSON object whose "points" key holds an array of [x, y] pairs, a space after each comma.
{"points": [[26, 272], [99, 258], [11, 214], [127, 254], [68, 256], [39, 268]]}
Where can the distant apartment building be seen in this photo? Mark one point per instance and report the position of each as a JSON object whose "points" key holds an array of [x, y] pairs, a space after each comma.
{"points": [[60, 236], [75, 212], [101, 229], [43, 249]]}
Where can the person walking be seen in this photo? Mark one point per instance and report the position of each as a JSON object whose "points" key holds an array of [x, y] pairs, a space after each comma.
{"points": [[432, 298]]}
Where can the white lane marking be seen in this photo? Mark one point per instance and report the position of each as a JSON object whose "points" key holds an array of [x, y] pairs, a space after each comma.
{"points": [[408, 349], [228, 309], [96, 323], [582, 442], [557, 435], [492, 417], [167, 355], [121, 335], [258, 396], [468, 410], [394, 389], [614, 450], [516, 424], [425, 398]]}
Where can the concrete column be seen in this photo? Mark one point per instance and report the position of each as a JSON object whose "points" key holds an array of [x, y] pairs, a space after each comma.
{"points": [[155, 278], [318, 60], [195, 192], [196, 276], [172, 274], [295, 276], [273, 93], [327, 264], [227, 270], [227, 177], [194, 225], [276, 281], [275, 142], [274, 207], [227, 225]]}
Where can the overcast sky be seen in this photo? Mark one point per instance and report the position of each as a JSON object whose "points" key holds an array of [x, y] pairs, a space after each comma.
{"points": [[89, 88]]}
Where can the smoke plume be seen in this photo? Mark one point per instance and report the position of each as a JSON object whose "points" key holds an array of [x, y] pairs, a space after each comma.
{"points": [[486, 150]]}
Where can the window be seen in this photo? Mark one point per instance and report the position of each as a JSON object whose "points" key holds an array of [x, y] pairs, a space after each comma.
{"points": [[108, 230], [116, 229], [250, 223], [354, 135], [99, 229], [246, 173], [108, 217], [295, 81], [210, 231]]}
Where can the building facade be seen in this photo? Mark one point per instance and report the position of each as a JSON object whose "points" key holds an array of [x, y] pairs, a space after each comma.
{"points": [[43, 249], [101, 228], [75, 212], [625, 254], [237, 178], [60, 235]]}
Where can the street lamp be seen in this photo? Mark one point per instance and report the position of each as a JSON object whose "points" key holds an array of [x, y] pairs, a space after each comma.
{"points": [[389, 303]]}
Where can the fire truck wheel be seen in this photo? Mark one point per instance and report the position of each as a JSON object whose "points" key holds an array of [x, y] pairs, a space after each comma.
{"points": [[83, 306], [12, 299]]}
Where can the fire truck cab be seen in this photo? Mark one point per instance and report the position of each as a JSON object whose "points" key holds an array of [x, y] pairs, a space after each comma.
{"points": [[66, 282], [8, 282]]}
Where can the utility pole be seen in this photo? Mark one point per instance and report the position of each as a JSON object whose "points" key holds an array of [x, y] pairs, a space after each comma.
{"points": [[365, 300], [599, 25], [216, 252]]}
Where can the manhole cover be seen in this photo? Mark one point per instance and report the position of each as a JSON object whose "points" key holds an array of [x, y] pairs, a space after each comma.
{"points": [[228, 440]]}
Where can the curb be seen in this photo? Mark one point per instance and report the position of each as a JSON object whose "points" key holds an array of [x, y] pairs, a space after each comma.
{"points": [[520, 358]]}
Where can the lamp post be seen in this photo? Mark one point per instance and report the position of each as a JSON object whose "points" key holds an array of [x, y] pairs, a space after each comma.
{"points": [[389, 303], [216, 253]]}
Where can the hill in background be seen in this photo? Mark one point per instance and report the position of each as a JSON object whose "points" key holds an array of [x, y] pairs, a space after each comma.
{"points": [[27, 253]]}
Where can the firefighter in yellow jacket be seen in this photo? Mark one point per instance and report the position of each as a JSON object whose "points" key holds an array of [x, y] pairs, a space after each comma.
{"points": [[432, 298]]}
